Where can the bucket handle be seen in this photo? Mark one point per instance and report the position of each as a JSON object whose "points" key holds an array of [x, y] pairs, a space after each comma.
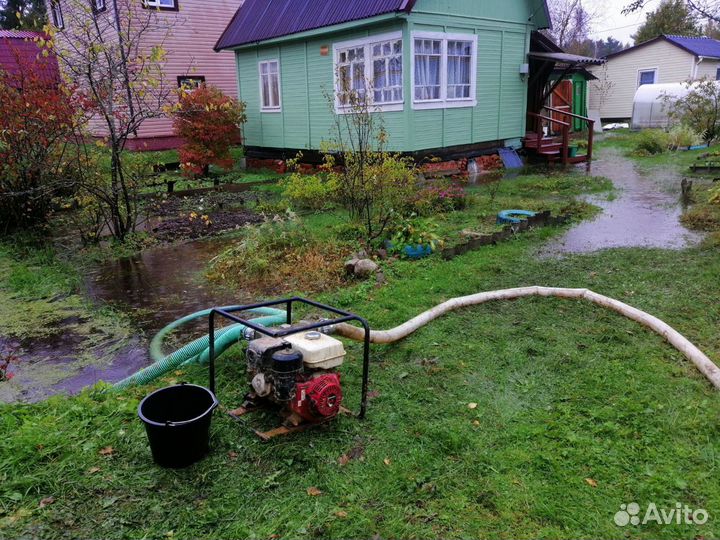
{"points": [[212, 407]]}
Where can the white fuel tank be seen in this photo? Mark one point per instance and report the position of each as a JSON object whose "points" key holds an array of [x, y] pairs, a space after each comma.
{"points": [[319, 350]]}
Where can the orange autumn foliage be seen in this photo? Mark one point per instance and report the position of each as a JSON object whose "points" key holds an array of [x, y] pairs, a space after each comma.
{"points": [[209, 123]]}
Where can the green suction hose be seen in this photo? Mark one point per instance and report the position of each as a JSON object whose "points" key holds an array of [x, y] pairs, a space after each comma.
{"points": [[156, 344], [197, 350]]}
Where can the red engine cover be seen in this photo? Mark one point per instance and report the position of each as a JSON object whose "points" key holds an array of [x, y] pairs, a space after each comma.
{"points": [[319, 398]]}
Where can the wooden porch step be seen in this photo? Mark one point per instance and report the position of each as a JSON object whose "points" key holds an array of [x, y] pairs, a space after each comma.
{"points": [[551, 146], [545, 144]]}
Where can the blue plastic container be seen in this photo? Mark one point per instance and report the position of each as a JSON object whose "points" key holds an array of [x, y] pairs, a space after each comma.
{"points": [[418, 251]]}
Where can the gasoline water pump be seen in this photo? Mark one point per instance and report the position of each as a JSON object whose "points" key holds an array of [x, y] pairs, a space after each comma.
{"points": [[294, 368]]}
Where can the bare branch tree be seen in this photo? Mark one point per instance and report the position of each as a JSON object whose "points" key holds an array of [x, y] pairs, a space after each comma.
{"points": [[706, 9], [116, 57], [572, 22]]}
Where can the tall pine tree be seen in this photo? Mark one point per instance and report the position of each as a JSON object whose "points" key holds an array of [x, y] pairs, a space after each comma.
{"points": [[671, 17], [32, 14]]}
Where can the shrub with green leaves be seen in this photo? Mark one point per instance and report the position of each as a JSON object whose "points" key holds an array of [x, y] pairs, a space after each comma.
{"points": [[652, 141], [700, 107], [413, 231], [310, 191], [682, 136]]}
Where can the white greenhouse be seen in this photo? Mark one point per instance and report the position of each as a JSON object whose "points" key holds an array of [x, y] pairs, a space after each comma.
{"points": [[652, 103]]}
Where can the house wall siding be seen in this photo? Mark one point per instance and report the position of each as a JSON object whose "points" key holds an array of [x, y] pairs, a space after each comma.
{"points": [[673, 65], [307, 116], [707, 68], [194, 30]]}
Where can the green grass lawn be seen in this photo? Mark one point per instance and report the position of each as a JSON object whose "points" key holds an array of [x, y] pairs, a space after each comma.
{"points": [[565, 392], [578, 411]]}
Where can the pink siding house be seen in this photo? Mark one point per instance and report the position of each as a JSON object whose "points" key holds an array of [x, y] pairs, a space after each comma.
{"points": [[196, 26]]}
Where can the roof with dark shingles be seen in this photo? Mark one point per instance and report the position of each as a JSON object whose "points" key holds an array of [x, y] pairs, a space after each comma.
{"points": [[20, 34], [699, 46], [259, 20]]}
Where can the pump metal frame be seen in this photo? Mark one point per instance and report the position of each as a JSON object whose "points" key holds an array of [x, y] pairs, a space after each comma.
{"points": [[344, 316]]}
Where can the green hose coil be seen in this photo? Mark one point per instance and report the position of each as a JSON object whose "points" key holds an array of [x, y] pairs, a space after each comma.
{"points": [[197, 351]]}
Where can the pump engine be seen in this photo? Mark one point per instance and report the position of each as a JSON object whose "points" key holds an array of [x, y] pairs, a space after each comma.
{"points": [[298, 373]]}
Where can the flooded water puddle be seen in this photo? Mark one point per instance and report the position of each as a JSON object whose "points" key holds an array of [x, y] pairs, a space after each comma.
{"points": [[66, 362], [154, 288], [163, 284], [645, 212]]}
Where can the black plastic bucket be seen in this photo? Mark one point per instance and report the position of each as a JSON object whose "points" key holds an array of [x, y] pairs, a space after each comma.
{"points": [[177, 421]]}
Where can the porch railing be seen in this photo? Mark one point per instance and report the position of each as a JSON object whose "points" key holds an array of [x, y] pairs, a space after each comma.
{"points": [[565, 133]]}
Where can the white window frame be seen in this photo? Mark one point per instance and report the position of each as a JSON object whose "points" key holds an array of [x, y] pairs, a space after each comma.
{"points": [[444, 102], [655, 71], [158, 4], [99, 5], [278, 107], [58, 19], [367, 43]]}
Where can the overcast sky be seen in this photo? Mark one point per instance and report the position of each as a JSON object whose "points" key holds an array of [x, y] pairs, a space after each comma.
{"points": [[611, 22]]}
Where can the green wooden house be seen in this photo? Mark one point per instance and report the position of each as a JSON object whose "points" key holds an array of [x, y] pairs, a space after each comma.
{"points": [[448, 76]]}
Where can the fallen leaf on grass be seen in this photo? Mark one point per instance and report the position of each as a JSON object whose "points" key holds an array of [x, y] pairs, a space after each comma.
{"points": [[591, 482], [476, 423], [356, 452], [472, 405], [46, 501], [373, 394], [387, 461], [93, 470], [232, 455], [341, 514], [313, 491], [107, 451]]}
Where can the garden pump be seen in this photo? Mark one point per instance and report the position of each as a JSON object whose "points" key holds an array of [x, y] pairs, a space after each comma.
{"points": [[295, 368]]}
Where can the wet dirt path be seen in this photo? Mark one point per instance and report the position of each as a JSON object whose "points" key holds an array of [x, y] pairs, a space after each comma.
{"points": [[645, 211]]}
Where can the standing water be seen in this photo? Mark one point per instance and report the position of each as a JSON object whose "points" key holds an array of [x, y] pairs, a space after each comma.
{"points": [[645, 213], [154, 288], [161, 285]]}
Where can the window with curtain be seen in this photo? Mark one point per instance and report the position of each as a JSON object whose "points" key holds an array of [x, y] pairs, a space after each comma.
{"points": [[370, 68], [428, 60], [351, 74], [387, 79], [444, 70], [459, 58], [270, 86]]}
